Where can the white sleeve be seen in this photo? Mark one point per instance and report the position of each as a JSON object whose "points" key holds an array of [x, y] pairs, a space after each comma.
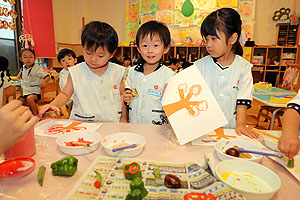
{"points": [[7, 82], [41, 73], [295, 103], [127, 82], [244, 96], [62, 80]]}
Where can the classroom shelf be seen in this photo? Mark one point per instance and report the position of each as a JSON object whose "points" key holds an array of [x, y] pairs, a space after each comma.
{"points": [[272, 60]]}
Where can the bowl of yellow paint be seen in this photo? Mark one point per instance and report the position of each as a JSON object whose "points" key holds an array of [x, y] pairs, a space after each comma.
{"points": [[251, 179]]}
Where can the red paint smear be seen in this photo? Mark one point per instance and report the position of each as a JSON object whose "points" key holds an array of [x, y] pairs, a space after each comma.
{"points": [[11, 168], [70, 144]]}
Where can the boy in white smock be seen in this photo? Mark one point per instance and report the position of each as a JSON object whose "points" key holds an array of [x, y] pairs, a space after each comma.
{"points": [[95, 83], [33, 79], [289, 143], [145, 81], [227, 74], [67, 58]]}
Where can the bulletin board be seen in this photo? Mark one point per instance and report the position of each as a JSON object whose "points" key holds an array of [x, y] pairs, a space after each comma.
{"points": [[169, 12]]}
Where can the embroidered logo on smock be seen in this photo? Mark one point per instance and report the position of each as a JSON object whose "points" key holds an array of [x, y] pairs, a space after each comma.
{"points": [[236, 87], [156, 87], [154, 92]]}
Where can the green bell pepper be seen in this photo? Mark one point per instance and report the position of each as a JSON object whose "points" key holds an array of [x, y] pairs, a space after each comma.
{"points": [[66, 166], [137, 183], [132, 171], [134, 195]]}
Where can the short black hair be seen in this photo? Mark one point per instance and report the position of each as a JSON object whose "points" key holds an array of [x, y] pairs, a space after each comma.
{"points": [[3, 63], [126, 58], [186, 64], [65, 52], [154, 27], [96, 34], [80, 59], [173, 61], [27, 49], [3, 68]]}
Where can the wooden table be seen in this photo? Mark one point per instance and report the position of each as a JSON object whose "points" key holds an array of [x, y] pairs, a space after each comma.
{"points": [[161, 146]]}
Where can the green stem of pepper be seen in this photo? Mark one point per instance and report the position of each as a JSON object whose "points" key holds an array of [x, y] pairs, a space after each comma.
{"points": [[41, 175], [290, 163]]}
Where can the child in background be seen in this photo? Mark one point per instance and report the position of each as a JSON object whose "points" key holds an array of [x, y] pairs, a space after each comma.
{"points": [[149, 77], [127, 65], [5, 80], [67, 58], [33, 79], [95, 84], [289, 143], [127, 62], [227, 74], [174, 64], [80, 59]]}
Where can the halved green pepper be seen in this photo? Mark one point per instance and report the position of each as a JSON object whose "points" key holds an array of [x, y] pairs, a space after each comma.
{"points": [[137, 183], [66, 166], [132, 171], [134, 195]]}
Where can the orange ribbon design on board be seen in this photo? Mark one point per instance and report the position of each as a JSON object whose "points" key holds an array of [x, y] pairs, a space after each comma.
{"points": [[220, 134], [59, 129], [193, 107]]}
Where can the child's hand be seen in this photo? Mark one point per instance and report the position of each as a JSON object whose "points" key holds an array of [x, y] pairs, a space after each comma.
{"points": [[127, 96], [42, 85], [241, 129], [289, 145], [48, 107]]}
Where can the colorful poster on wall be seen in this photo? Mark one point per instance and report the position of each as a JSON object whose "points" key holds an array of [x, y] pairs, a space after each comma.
{"points": [[178, 4], [147, 6], [165, 4], [247, 9], [226, 3], [145, 17], [132, 11], [199, 16], [166, 16], [131, 30], [204, 4], [247, 26], [132, 19], [181, 20]]}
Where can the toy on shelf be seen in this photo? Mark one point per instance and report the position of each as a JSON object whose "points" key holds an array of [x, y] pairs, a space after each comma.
{"points": [[262, 85]]}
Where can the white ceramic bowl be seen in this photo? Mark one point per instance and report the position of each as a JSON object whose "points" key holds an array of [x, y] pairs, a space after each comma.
{"points": [[78, 150], [110, 141], [223, 145], [250, 179]]}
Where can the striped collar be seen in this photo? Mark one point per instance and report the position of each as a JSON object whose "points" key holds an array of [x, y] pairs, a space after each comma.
{"points": [[223, 68], [140, 67]]}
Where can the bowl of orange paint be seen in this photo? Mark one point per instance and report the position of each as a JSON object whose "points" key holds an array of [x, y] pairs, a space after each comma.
{"points": [[121, 141], [79, 143]]}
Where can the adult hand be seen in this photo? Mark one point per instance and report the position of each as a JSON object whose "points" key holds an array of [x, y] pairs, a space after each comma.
{"points": [[15, 121]]}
